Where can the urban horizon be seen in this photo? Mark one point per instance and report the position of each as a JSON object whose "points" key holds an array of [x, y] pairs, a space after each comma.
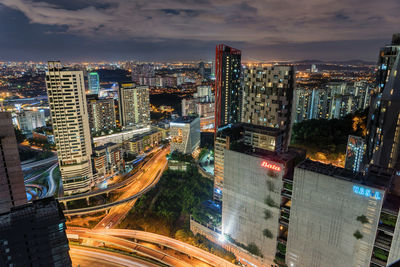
{"points": [[228, 160]]}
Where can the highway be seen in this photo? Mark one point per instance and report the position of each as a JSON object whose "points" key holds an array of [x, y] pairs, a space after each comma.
{"points": [[145, 181], [107, 234], [51, 183], [39, 163], [101, 191], [88, 257], [40, 174]]}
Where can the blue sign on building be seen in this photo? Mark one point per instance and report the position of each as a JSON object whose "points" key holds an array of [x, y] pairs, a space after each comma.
{"points": [[366, 192]]}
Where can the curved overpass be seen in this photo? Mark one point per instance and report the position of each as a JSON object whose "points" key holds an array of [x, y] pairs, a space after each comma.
{"points": [[84, 256], [125, 182], [116, 203], [165, 241]]}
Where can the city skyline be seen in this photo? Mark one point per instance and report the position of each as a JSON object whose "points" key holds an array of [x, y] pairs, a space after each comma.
{"points": [[183, 30]]}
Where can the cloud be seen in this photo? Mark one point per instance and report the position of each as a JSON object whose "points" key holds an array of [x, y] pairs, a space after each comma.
{"points": [[259, 22]]}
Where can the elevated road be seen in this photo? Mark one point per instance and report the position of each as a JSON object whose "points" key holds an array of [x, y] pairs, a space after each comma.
{"points": [[112, 187], [33, 164], [161, 240], [144, 181], [89, 257]]}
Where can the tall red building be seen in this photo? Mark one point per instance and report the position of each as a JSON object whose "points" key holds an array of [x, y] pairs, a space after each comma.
{"points": [[228, 91]]}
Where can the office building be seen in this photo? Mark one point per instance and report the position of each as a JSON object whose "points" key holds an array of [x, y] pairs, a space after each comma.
{"points": [[383, 128], [12, 188], [94, 83], [101, 114], [185, 134], [228, 89], [354, 153], [107, 160], [268, 97], [34, 235], [69, 115], [134, 105], [30, 120], [256, 200], [342, 218]]}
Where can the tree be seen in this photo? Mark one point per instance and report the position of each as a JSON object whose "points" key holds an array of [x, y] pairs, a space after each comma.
{"points": [[19, 135]]}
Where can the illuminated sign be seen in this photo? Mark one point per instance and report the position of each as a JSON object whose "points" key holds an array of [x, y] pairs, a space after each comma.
{"points": [[366, 192], [270, 166]]}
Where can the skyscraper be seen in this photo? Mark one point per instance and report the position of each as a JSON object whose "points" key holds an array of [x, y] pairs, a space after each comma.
{"points": [[228, 90], [383, 128], [94, 83], [12, 188], [101, 114], [134, 105], [268, 97], [68, 109], [34, 235]]}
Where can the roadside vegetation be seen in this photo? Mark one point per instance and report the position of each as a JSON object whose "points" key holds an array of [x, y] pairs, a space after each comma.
{"points": [[167, 207]]}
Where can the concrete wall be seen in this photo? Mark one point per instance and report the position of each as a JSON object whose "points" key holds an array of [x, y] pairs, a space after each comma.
{"points": [[394, 253], [244, 193], [323, 219]]}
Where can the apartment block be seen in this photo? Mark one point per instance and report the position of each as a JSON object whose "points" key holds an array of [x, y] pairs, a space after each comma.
{"points": [[268, 97], [69, 115]]}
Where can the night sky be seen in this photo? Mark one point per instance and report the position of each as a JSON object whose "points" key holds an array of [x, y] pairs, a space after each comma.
{"points": [[81, 30]]}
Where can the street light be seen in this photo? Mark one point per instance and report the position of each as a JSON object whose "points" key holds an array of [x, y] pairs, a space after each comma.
{"points": [[221, 238]]}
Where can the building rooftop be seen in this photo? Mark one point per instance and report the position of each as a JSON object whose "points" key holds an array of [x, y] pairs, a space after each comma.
{"points": [[185, 119], [376, 177], [140, 136], [104, 146], [38, 210]]}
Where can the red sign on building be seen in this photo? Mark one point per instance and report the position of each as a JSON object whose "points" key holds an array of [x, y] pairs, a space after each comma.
{"points": [[270, 166]]}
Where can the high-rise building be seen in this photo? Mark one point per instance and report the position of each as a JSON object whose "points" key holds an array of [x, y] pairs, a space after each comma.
{"points": [[33, 234], [142, 74], [101, 114], [202, 70], [185, 134], [383, 128], [94, 83], [342, 218], [134, 105], [69, 115], [12, 188], [247, 135], [30, 120], [256, 200], [225, 136], [268, 97], [204, 93], [228, 89], [354, 153]]}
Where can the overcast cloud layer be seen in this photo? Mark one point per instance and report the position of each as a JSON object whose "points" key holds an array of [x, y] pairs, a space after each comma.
{"points": [[185, 29]]}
